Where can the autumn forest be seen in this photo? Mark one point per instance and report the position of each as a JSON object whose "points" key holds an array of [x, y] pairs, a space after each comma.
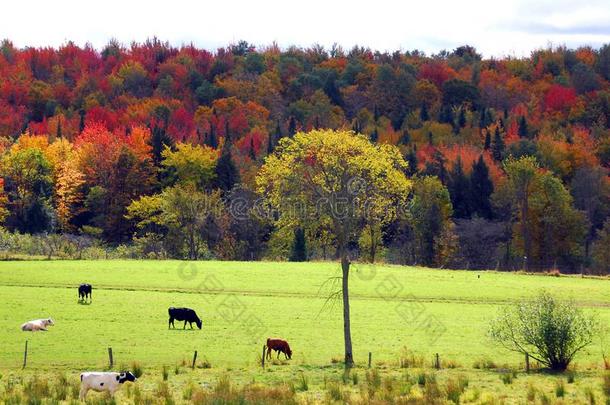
{"points": [[151, 150]]}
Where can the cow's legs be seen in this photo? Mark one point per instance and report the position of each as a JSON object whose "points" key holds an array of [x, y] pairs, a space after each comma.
{"points": [[184, 325], [170, 323]]}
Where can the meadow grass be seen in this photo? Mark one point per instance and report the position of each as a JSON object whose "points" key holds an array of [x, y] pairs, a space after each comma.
{"points": [[403, 315]]}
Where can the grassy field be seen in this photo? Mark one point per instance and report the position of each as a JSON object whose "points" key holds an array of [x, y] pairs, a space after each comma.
{"points": [[394, 309]]}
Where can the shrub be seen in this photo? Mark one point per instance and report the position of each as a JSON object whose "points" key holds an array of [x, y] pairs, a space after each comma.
{"points": [[549, 330], [165, 373]]}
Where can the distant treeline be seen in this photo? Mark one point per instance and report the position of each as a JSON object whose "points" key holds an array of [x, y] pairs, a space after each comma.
{"points": [[152, 151]]}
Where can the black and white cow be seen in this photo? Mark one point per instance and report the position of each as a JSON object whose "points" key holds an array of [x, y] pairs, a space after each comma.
{"points": [[183, 314], [85, 291], [103, 381]]}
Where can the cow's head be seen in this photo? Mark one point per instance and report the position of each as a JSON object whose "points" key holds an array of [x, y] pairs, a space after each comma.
{"points": [[199, 323], [288, 351], [126, 376], [49, 322]]}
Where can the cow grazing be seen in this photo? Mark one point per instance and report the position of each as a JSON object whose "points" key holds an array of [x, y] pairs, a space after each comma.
{"points": [[36, 325], [183, 314], [280, 346], [103, 381], [85, 291]]}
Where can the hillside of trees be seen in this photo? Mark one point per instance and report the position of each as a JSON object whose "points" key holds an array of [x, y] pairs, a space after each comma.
{"points": [[151, 150]]}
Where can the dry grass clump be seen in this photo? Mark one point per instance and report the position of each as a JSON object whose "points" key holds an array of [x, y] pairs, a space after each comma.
{"points": [[225, 392]]}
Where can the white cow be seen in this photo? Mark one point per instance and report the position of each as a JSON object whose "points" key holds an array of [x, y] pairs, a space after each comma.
{"points": [[103, 381], [36, 325]]}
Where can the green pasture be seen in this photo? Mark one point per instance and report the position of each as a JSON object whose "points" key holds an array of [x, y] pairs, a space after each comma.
{"points": [[427, 311], [241, 304]]}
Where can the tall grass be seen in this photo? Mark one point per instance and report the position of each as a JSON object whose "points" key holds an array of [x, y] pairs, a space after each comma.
{"points": [[408, 359], [225, 392], [455, 388], [136, 369]]}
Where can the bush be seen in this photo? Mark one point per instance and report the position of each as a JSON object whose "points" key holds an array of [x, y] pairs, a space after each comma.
{"points": [[549, 330]]}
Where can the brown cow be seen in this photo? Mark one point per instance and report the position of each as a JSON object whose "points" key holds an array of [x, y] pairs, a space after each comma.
{"points": [[280, 346]]}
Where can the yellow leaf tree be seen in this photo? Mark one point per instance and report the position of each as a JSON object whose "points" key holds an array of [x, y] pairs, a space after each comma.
{"points": [[338, 178]]}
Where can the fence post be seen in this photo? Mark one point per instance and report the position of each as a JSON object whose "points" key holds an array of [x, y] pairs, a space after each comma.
{"points": [[437, 362], [194, 359], [263, 358], [25, 354], [370, 359], [527, 362], [110, 357]]}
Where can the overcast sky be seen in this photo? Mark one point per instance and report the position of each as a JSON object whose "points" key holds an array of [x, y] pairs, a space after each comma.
{"points": [[495, 28]]}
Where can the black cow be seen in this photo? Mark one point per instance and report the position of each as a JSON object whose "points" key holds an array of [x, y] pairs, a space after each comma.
{"points": [[183, 314], [84, 292]]}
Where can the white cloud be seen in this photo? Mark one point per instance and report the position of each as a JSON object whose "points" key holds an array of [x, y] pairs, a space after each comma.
{"points": [[493, 27]]}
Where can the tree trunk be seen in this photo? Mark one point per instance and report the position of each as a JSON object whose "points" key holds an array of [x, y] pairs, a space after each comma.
{"points": [[373, 245], [347, 334], [527, 243]]}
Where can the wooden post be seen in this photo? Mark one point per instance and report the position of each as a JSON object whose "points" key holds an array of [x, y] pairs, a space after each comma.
{"points": [[527, 363], [370, 359], [25, 354], [263, 358], [437, 362], [110, 357], [194, 360]]}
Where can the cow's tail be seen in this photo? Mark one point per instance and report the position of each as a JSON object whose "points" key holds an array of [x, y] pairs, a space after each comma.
{"points": [[81, 377], [268, 340]]}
